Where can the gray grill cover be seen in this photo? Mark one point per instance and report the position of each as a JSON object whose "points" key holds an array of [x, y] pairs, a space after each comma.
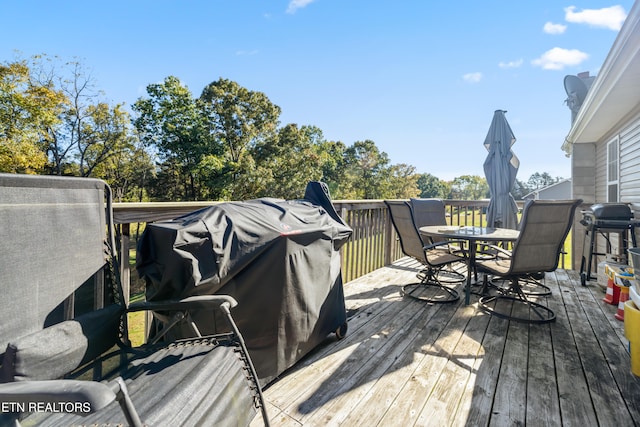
{"points": [[279, 259]]}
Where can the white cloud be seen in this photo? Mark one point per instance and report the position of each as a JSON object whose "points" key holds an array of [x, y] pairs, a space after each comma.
{"points": [[298, 4], [607, 17], [551, 28], [511, 64], [558, 58], [472, 77]]}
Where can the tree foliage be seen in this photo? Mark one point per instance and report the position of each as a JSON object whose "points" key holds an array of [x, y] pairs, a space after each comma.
{"points": [[539, 180], [469, 187], [174, 123], [432, 187], [239, 120], [51, 120], [28, 110], [403, 182], [289, 160], [366, 171], [226, 144]]}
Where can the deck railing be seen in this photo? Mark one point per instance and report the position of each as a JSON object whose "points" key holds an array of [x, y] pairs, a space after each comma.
{"points": [[373, 244]]}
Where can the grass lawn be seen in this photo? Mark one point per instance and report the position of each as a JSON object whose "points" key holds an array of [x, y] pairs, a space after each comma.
{"points": [[136, 323]]}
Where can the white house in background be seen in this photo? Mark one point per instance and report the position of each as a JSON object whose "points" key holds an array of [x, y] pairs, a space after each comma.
{"points": [[557, 191], [604, 140]]}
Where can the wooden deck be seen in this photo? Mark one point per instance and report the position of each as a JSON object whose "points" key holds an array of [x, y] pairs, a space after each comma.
{"points": [[405, 362]]}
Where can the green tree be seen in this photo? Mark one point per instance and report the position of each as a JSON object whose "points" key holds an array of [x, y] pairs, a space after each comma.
{"points": [[432, 187], [403, 182], [332, 158], [85, 131], [28, 109], [366, 171], [288, 161], [239, 119], [129, 172], [103, 133], [469, 187], [539, 180], [176, 124]]}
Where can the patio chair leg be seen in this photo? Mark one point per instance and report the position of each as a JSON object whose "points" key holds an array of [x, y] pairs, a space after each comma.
{"points": [[515, 294], [429, 280]]}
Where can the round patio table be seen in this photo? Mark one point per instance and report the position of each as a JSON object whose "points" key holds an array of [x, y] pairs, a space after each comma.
{"points": [[472, 235]]}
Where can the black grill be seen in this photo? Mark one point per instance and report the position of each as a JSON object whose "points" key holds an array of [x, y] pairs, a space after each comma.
{"points": [[609, 215], [605, 218]]}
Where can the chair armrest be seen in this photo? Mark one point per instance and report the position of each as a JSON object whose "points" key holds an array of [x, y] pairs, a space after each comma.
{"points": [[499, 250], [461, 252], [181, 308], [434, 245], [189, 303], [79, 397]]}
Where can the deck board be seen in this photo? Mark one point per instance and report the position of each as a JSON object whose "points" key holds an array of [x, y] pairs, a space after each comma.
{"points": [[405, 362]]}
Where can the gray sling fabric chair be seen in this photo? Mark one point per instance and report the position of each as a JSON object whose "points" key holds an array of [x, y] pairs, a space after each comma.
{"points": [[428, 212], [543, 230], [435, 257], [66, 358]]}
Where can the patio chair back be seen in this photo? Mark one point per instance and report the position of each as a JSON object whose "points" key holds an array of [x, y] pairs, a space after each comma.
{"points": [[543, 230], [428, 212], [408, 234], [55, 257]]}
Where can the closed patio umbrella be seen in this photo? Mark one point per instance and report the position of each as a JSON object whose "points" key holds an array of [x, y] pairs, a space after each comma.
{"points": [[500, 169]]}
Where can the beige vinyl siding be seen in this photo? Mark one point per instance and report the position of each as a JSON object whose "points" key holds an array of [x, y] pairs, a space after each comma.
{"points": [[601, 172], [629, 171], [630, 163], [629, 178]]}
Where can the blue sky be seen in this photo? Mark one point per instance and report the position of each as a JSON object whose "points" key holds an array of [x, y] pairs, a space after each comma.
{"points": [[420, 78]]}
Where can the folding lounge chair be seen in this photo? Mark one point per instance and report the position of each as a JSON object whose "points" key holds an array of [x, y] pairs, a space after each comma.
{"points": [[63, 323], [435, 257], [543, 229]]}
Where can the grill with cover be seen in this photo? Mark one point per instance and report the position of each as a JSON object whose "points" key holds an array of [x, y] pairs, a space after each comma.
{"points": [[279, 259]]}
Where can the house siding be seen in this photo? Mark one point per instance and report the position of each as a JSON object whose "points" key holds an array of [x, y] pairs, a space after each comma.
{"points": [[629, 173], [630, 163], [601, 172], [629, 180]]}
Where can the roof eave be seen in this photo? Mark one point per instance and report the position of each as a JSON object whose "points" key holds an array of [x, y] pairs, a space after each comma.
{"points": [[613, 96]]}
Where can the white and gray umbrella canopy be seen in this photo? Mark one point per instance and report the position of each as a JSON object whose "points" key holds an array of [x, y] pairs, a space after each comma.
{"points": [[500, 169]]}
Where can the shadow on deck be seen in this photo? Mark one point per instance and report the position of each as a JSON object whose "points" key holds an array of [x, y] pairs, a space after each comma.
{"points": [[404, 362]]}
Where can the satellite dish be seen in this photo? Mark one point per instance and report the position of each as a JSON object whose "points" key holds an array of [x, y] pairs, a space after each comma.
{"points": [[576, 89]]}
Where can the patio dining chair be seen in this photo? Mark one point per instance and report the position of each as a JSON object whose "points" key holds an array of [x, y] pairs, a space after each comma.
{"points": [[543, 230], [428, 212], [437, 259], [65, 354], [431, 211]]}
